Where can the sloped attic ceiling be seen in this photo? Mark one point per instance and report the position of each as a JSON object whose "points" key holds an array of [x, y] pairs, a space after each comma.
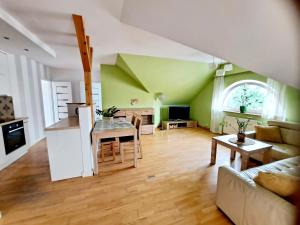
{"points": [[262, 36], [179, 80]]}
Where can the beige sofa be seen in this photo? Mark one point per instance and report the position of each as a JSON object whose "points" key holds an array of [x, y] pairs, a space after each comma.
{"points": [[290, 133], [247, 203]]}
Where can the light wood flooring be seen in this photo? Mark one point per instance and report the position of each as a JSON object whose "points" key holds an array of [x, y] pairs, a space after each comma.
{"points": [[173, 184]]}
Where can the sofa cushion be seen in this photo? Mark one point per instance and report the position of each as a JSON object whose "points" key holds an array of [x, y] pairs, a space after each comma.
{"points": [[281, 124], [268, 133], [279, 151], [282, 183], [282, 151], [290, 136], [289, 166]]}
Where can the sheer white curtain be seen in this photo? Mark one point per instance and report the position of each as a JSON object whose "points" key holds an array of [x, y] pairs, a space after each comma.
{"points": [[217, 105], [275, 105]]}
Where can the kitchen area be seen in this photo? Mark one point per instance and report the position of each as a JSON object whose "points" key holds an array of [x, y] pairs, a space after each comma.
{"points": [[13, 133]]}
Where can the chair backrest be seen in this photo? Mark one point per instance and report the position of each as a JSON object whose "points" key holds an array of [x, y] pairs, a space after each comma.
{"points": [[133, 119], [138, 126]]}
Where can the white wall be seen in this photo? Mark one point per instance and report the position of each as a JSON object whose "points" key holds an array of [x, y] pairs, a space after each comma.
{"points": [[73, 75], [261, 36], [23, 83]]}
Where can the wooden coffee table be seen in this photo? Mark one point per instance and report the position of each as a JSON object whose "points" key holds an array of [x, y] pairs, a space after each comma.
{"points": [[244, 150]]}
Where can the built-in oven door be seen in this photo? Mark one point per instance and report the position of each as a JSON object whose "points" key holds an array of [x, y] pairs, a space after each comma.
{"points": [[13, 136]]}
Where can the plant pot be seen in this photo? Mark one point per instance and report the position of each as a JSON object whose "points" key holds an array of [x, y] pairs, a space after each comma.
{"points": [[241, 137], [243, 109], [108, 119]]}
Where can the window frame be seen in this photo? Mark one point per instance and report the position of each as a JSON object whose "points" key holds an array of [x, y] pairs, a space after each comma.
{"points": [[235, 85]]}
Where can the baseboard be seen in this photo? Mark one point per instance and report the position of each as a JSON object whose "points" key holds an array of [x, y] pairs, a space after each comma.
{"points": [[36, 141], [204, 127], [14, 157], [87, 173]]}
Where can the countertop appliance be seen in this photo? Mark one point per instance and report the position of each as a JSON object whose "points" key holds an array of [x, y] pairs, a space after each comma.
{"points": [[13, 136]]}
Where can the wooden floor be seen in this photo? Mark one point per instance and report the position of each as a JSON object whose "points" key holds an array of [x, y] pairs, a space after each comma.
{"points": [[173, 184]]}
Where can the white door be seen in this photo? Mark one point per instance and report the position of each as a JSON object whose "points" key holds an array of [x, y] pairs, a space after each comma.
{"points": [[62, 94], [47, 102], [97, 96]]}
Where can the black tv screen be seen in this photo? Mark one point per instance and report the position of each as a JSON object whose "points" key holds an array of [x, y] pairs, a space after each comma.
{"points": [[179, 113]]}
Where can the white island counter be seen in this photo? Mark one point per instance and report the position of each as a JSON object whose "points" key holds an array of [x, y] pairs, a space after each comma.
{"points": [[69, 146]]}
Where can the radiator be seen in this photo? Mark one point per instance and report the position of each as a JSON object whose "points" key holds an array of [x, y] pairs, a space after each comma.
{"points": [[231, 127]]}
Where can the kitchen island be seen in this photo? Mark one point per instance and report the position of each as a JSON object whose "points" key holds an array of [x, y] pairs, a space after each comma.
{"points": [[69, 146]]}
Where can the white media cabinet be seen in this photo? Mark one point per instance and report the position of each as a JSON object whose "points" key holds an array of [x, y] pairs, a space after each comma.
{"points": [[174, 124]]}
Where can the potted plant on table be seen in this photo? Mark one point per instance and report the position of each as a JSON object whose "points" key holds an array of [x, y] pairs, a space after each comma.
{"points": [[242, 126], [108, 114]]}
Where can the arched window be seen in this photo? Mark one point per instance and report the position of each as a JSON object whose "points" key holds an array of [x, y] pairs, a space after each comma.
{"points": [[249, 93]]}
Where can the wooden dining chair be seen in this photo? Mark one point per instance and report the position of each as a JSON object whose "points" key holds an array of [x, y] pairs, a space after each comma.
{"points": [[128, 142], [133, 118], [109, 145]]}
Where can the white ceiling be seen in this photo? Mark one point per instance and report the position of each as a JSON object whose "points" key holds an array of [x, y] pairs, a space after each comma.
{"points": [[51, 21], [262, 36]]}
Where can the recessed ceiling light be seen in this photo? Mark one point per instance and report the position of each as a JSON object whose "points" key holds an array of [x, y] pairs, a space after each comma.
{"points": [[6, 38], [26, 49]]}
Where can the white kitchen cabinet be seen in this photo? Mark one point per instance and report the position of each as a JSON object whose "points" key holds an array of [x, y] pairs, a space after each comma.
{"points": [[7, 159], [5, 88]]}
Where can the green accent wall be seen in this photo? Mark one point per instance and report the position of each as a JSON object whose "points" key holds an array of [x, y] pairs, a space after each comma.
{"points": [[201, 104], [179, 80], [182, 82], [142, 77], [119, 88]]}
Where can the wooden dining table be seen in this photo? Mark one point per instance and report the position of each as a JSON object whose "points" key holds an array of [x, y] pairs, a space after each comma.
{"points": [[112, 129]]}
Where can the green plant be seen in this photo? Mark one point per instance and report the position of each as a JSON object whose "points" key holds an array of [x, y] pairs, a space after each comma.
{"points": [[242, 125], [110, 112], [247, 98]]}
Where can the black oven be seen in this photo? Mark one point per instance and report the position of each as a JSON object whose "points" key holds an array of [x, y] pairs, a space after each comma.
{"points": [[14, 136]]}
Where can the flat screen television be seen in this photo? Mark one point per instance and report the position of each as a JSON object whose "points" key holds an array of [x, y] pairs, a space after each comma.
{"points": [[179, 113]]}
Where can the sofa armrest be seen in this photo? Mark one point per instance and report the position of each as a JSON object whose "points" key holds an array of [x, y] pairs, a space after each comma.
{"points": [[247, 203], [231, 193], [263, 207]]}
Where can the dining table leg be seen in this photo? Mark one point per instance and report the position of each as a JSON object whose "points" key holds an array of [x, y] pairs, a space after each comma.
{"points": [[95, 156], [135, 149]]}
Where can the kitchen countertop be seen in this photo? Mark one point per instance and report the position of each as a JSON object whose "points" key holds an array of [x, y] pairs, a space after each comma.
{"points": [[12, 121], [65, 124]]}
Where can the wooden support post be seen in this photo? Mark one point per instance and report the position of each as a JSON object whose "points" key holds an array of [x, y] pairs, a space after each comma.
{"points": [[86, 53]]}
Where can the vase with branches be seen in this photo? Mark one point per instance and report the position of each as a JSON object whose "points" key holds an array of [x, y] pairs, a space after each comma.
{"points": [[241, 129], [242, 126]]}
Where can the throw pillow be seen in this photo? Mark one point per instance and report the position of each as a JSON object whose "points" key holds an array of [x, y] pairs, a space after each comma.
{"points": [[268, 133], [283, 184]]}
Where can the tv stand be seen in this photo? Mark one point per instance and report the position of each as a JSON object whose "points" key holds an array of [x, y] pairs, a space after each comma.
{"points": [[174, 124]]}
